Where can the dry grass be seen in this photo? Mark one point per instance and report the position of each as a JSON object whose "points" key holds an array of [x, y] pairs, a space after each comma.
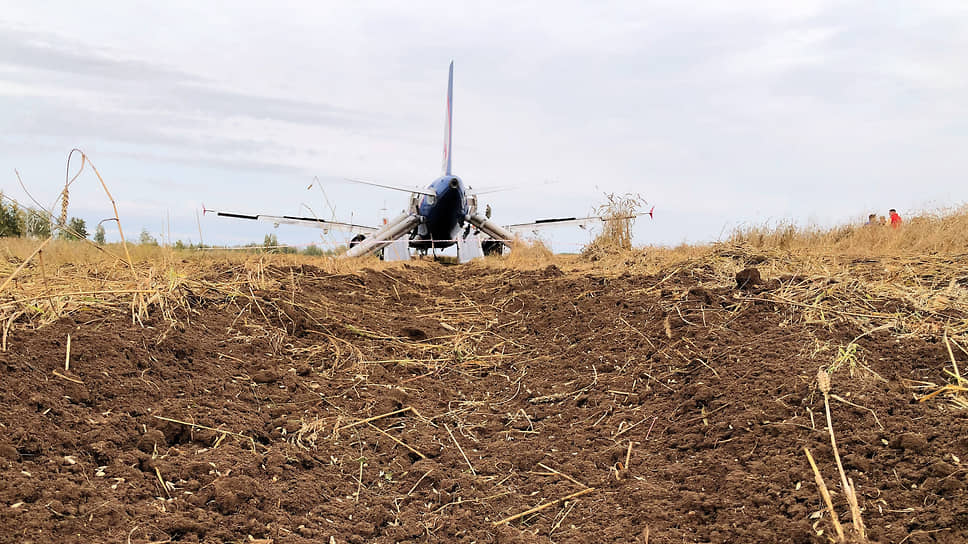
{"points": [[66, 277], [857, 277], [944, 231], [526, 256]]}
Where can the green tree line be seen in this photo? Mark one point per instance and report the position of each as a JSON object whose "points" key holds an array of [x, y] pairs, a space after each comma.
{"points": [[19, 221]]}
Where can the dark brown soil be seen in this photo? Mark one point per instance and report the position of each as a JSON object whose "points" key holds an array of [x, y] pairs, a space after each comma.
{"points": [[543, 378]]}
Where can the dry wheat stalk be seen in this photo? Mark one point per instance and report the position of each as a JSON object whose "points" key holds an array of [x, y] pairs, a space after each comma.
{"points": [[541, 507], [825, 493], [65, 199], [823, 383]]}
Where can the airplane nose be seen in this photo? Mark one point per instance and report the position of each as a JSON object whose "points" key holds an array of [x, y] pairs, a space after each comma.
{"points": [[454, 183]]}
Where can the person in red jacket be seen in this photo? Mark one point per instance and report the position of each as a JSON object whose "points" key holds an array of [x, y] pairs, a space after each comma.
{"points": [[895, 218]]}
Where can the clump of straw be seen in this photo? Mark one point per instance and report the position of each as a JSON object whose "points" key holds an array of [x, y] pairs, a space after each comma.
{"points": [[618, 214]]}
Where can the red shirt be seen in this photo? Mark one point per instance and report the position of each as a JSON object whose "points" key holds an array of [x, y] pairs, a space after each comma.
{"points": [[895, 220]]}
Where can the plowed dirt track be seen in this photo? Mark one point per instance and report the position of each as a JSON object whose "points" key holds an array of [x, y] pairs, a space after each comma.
{"points": [[428, 403]]}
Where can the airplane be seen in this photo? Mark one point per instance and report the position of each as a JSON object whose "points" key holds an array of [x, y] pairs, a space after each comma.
{"points": [[437, 217]]}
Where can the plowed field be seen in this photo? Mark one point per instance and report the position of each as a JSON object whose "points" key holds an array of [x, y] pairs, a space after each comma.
{"points": [[475, 403]]}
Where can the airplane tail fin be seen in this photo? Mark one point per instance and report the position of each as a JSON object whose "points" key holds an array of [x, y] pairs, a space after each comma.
{"points": [[447, 120]]}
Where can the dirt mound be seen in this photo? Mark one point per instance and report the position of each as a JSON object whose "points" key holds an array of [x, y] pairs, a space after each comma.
{"points": [[748, 278], [471, 404]]}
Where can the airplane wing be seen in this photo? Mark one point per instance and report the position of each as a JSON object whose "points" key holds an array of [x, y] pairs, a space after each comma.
{"points": [[560, 221], [294, 220]]}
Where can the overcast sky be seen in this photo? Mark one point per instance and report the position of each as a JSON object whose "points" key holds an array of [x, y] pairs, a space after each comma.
{"points": [[718, 113]]}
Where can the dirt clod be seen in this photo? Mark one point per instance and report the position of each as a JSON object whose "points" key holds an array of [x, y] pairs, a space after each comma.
{"points": [[151, 440], [910, 441], [9, 452], [748, 278], [265, 376]]}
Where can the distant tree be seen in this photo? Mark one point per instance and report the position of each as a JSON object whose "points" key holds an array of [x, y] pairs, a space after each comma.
{"points": [[146, 239], [181, 245], [270, 242], [10, 222], [38, 224], [313, 251], [99, 234], [76, 229]]}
